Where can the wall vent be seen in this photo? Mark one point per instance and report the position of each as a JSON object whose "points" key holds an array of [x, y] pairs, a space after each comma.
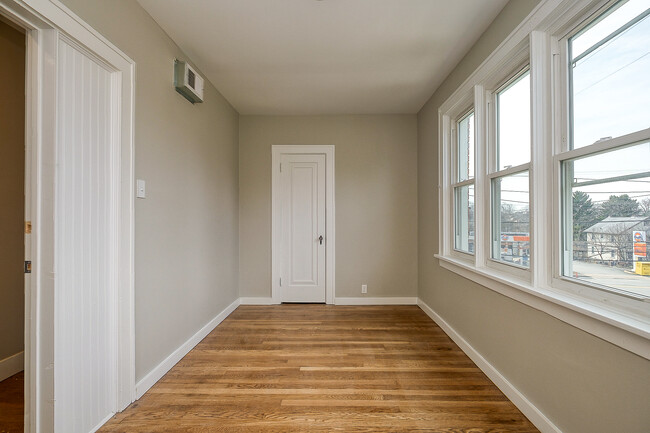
{"points": [[187, 82]]}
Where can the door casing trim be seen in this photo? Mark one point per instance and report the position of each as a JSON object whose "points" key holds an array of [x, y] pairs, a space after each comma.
{"points": [[276, 216], [45, 22]]}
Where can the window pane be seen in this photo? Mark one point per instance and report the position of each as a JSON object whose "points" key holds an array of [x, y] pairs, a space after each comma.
{"points": [[607, 218], [610, 79], [466, 147], [513, 124], [511, 219], [464, 218]]}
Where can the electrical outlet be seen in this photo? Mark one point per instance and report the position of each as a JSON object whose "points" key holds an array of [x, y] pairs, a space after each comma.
{"points": [[364, 288]]}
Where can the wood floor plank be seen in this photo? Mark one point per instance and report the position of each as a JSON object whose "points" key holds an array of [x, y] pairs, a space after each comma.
{"points": [[12, 403], [318, 368]]}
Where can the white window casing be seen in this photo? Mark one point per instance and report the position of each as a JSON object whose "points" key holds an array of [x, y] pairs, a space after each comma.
{"points": [[540, 41]]}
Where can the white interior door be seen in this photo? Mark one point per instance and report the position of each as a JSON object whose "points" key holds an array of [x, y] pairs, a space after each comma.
{"points": [[86, 243], [304, 245]]}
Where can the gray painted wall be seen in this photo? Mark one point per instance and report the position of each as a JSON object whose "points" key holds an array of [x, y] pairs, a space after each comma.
{"points": [[12, 191], [186, 230], [187, 245], [376, 199], [580, 382]]}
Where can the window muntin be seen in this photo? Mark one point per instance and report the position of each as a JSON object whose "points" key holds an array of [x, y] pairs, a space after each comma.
{"points": [[511, 219], [609, 79], [607, 218], [464, 218], [513, 122], [465, 147]]}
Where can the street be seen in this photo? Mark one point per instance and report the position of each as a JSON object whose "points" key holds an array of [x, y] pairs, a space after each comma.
{"points": [[613, 277]]}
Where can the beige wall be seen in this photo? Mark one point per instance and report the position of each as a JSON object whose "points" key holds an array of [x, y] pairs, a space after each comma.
{"points": [[581, 383], [12, 190], [376, 203], [186, 230]]}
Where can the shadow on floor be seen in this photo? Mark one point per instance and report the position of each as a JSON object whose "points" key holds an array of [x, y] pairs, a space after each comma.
{"points": [[12, 404]]}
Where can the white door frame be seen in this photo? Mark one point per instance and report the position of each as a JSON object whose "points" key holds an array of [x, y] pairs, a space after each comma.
{"points": [[276, 216], [45, 21]]}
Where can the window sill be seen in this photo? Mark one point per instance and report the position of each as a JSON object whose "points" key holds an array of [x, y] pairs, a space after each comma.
{"points": [[626, 332]]}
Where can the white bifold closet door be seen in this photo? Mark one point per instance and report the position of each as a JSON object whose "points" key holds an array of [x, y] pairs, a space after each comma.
{"points": [[87, 155]]}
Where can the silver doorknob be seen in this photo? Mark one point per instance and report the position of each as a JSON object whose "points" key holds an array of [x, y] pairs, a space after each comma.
{"points": [[320, 239]]}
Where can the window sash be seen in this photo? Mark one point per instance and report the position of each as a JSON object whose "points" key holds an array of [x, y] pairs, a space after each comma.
{"points": [[495, 219], [462, 153], [463, 226], [543, 284], [495, 120]]}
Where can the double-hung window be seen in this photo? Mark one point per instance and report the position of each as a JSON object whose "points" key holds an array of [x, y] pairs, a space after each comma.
{"points": [[463, 187], [545, 182], [605, 160], [509, 173]]}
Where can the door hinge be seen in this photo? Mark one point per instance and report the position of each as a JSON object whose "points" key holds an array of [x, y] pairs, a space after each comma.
{"points": [[28, 266], [280, 282], [28, 227], [280, 167]]}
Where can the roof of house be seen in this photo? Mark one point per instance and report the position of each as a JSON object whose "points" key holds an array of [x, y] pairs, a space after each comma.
{"points": [[616, 225]]}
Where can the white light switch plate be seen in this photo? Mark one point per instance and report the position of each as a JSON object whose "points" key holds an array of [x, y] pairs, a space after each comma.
{"points": [[140, 189]]}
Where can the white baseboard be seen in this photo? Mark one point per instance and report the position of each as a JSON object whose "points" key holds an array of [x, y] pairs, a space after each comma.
{"points": [[161, 369], [12, 365], [101, 423], [518, 399], [256, 301], [342, 301], [376, 301]]}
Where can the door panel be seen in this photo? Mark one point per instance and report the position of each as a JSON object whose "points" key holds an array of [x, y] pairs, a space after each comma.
{"points": [[303, 222], [86, 249]]}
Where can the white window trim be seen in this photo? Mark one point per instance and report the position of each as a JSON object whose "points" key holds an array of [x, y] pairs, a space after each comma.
{"points": [[463, 106], [621, 320]]}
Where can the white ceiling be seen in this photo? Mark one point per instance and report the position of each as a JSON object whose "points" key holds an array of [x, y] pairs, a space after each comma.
{"points": [[325, 57]]}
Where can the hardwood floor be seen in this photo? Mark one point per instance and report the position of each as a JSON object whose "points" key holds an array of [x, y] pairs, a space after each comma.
{"points": [[12, 404], [318, 368]]}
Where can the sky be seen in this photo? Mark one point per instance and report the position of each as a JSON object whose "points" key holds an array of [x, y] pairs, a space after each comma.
{"points": [[612, 98], [611, 88]]}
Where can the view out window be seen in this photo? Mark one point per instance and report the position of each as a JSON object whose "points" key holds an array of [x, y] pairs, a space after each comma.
{"points": [[513, 123], [550, 169], [510, 211], [609, 221], [464, 185], [511, 219], [606, 191], [466, 147], [610, 74]]}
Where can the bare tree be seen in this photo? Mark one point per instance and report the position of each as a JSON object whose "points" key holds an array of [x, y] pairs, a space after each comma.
{"points": [[613, 242], [645, 206], [599, 245]]}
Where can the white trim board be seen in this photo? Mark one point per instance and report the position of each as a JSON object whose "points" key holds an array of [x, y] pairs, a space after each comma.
{"points": [[11, 365], [619, 318], [574, 311], [388, 300], [514, 395], [161, 369], [45, 22], [256, 301], [101, 423]]}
